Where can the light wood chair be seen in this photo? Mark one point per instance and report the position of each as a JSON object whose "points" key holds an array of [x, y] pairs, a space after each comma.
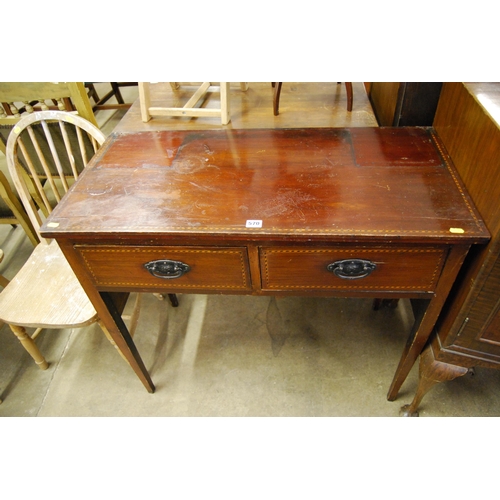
{"points": [[3, 282], [277, 93], [11, 210], [18, 98], [45, 293], [190, 108]]}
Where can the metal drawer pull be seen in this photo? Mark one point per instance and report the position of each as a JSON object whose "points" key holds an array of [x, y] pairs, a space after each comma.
{"points": [[167, 269], [351, 269]]}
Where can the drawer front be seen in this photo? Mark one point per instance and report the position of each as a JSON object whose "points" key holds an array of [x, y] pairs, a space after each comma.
{"points": [[383, 269], [170, 267]]}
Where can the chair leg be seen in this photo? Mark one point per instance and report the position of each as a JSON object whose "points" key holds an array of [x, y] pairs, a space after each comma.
{"points": [[92, 93], [225, 103], [110, 338], [348, 88], [118, 94], [173, 299], [379, 303], [3, 280], [29, 344], [276, 98], [134, 317]]}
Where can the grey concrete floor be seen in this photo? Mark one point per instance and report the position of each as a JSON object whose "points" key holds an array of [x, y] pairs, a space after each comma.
{"points": [[226, 356]]}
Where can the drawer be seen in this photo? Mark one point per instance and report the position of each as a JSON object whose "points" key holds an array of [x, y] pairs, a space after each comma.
{"points": [[167, 267], [357, 269]]}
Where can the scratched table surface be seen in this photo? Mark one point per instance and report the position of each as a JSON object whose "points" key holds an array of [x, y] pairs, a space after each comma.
{"points": [[348, 183]]}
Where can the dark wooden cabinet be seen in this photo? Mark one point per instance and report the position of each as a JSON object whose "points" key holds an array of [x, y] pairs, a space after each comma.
{"points": [[404, 104], [468, 330]]}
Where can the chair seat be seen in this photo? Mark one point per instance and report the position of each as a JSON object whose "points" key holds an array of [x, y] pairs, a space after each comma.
{"points": [[46, 293]]}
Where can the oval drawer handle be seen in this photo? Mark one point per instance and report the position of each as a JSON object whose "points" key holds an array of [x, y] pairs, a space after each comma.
{"points": [[351, 269], [167, 269]]}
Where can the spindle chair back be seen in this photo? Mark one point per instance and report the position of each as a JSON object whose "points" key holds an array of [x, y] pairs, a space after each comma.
{"points": [[45, 293]]}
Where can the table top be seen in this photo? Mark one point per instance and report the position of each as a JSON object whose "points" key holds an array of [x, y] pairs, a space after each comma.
{"points": [[349, 184]]}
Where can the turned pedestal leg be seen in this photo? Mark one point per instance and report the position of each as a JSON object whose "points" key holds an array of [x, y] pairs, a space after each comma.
{"points": [[29, 344], [431, 372]]}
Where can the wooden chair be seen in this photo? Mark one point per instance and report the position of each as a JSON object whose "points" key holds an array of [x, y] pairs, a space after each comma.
{"points": [[3, 280], [101, 103], [189, 109], [12, 212], [45, 293], [277, 92], [3, 283], [18, 98]]}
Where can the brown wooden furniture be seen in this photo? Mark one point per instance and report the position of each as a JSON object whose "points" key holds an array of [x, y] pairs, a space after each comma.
{"points": [[277, 93], [101, 103], [468, 329], [403, 104], [362, 212]]}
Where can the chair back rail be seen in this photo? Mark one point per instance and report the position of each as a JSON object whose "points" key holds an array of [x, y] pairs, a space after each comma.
{"points": [[54, 148]]}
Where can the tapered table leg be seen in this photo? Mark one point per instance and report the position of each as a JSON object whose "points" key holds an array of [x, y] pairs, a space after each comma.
{"points": [[424, 327]]}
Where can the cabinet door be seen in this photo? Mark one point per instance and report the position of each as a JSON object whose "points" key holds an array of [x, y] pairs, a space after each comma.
{"points": [[384, 98], [479, 334], [417, 103], [492, 331], [405, 104]]}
